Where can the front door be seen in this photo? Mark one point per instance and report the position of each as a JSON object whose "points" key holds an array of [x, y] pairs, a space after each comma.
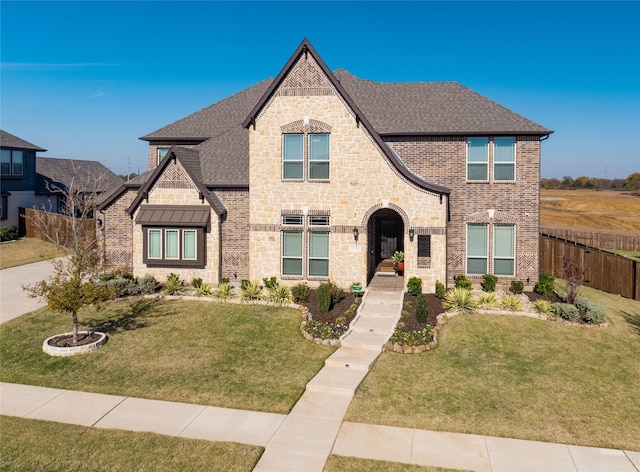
{"points": [[384, 236]]}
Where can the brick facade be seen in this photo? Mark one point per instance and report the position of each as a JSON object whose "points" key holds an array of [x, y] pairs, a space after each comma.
{"points": [[117, 230]]}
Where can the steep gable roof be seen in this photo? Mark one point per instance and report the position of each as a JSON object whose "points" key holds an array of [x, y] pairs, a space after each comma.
{"points": [[8, 140], [432, 108]]}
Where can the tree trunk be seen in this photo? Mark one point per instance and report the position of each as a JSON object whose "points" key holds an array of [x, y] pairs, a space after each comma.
{"points": [[75, 327]]}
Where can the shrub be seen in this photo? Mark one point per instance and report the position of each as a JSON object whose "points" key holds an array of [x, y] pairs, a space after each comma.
{"points": [[545, 285], [460, 299], [148, 284], [421, 308], [322, 330], [574, 275], [543, 307], [489, 282], [5, 234], [300, 292], [566, 311], [582, 303], [412, 338], [462, 282], [341, 320], [121, 287], [203, 290], [224, 280], [404, 313], [324, 296], [197, 282], [244, 283], [517, 287], [270, 282], [251, 291], [173, 285], [414, 286], [595, 314], [511, 303], [488, 300], [337, 294], [408, 304], [440, 290], [280, 294], [224, 291]]}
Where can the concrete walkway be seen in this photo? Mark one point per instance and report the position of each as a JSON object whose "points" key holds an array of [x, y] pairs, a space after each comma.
{"points": [[314, 429]]}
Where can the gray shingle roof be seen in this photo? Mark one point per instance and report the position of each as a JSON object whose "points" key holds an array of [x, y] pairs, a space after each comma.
{"points": [[432, 108], [60, 172], [10, 141]]}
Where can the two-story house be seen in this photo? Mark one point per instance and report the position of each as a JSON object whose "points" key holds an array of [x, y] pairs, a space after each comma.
{"points": [[319, 175]]}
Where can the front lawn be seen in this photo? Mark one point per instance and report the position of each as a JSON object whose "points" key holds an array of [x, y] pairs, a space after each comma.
{"points": [[32, 445], [251, 357], [26, 251], [517, 377]]}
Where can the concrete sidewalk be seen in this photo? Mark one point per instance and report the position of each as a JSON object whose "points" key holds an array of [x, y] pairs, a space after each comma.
{"points": [[411, 446]]}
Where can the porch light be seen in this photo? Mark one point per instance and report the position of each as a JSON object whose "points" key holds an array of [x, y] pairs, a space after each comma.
{"points": [[356, 233], [412, 233]]}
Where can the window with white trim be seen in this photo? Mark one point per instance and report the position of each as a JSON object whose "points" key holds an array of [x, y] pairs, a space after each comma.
{"points": [[11, 162], [478, 159], [477, 248], [501, 161], [173, 246], [503, 250], [504, 237], [504, 158], [306, 156], [305, 246]]}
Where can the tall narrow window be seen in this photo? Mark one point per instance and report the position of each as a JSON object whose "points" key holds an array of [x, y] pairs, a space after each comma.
{"points": [[292, 252], [5, 164], [154, 245], [504, 249], [504, 158], [477, 247], [478, 158], [319, 156], [189, 244], [172, 244], [292, 156], [11, 162]]}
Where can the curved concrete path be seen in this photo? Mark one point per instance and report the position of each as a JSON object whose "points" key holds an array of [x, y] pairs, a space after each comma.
{"points": [[302, 440]]}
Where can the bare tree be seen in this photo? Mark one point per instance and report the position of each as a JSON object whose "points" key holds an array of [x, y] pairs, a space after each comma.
{"points": [[74, 283]]}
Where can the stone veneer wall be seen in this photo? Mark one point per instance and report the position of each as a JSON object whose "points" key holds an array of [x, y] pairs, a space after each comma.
{"points": [[174, 187], [442, 159], [117, 231], [361, 179], [234, 234]]}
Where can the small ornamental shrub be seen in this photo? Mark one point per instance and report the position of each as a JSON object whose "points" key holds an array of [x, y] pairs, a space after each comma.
{"points": [[341, 320], [489, 282], [147, 284], [440, 290], [121, 287], [173, 285], [462, 282], [251, 291], [574, 275], [324, 296], [408, 304], [203, 290], [488, 301], [543, 307], [197, 282], [414, 286], [404, 313], [421, 308], [280, 294], [511, 303], [517, 287], [300, 292], [582, 303], [224, 280], [566, 311], [244, 283], [595, 314], [545, 285], [224, 291], [460, 299], [400, 325], [5, 233], [270, 282], [337, 294]]}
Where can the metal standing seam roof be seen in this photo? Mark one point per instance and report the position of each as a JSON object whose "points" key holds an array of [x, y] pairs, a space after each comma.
{"points": [[159, 215]]}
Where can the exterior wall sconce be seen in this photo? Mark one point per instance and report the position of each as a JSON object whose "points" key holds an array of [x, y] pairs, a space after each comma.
{"points": [[356, 233], [412, 233]]}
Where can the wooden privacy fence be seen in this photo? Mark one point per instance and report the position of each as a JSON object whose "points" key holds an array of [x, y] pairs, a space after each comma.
{"points": [[54, 223], [614, 239], [603, 270]]}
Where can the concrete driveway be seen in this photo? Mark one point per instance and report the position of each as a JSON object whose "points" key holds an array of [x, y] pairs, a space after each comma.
{"points": [[14, 301]]}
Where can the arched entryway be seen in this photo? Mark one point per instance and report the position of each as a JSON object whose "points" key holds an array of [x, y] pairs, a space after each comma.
{"points": [[385, 235]]}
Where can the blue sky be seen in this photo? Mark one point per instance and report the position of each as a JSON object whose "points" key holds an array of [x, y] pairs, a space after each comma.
{"points": [[86, 79]]}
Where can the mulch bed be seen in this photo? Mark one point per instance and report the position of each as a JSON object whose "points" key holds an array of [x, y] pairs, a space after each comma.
{"points": [[337, 311], [66, 340]]}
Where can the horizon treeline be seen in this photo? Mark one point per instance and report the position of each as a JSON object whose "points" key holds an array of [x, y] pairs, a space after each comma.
{"points": [[632, 182]]}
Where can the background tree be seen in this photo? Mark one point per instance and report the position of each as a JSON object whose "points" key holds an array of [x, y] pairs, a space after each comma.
{"points": [[632, 182], [74, 283]]}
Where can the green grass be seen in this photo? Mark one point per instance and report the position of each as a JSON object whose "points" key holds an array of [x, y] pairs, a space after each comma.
{"points": [[353, 464], [251, 357], [34, 445], [517, 377], [26, 251], [630, 254]]}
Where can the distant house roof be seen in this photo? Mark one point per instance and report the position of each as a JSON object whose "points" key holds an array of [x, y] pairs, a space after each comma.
{"points": [[8, 140], [53, 173]]}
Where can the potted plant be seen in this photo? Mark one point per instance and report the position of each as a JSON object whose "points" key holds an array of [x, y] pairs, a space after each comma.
{"points": [[398, 261], [356, 288]]}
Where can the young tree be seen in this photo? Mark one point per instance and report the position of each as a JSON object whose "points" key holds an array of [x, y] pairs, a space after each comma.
{"points": [[74, 283], [574, 275]]}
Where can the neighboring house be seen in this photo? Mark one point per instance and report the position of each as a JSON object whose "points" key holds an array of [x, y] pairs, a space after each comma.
{"points": [[17, 177], [318, 175]]}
